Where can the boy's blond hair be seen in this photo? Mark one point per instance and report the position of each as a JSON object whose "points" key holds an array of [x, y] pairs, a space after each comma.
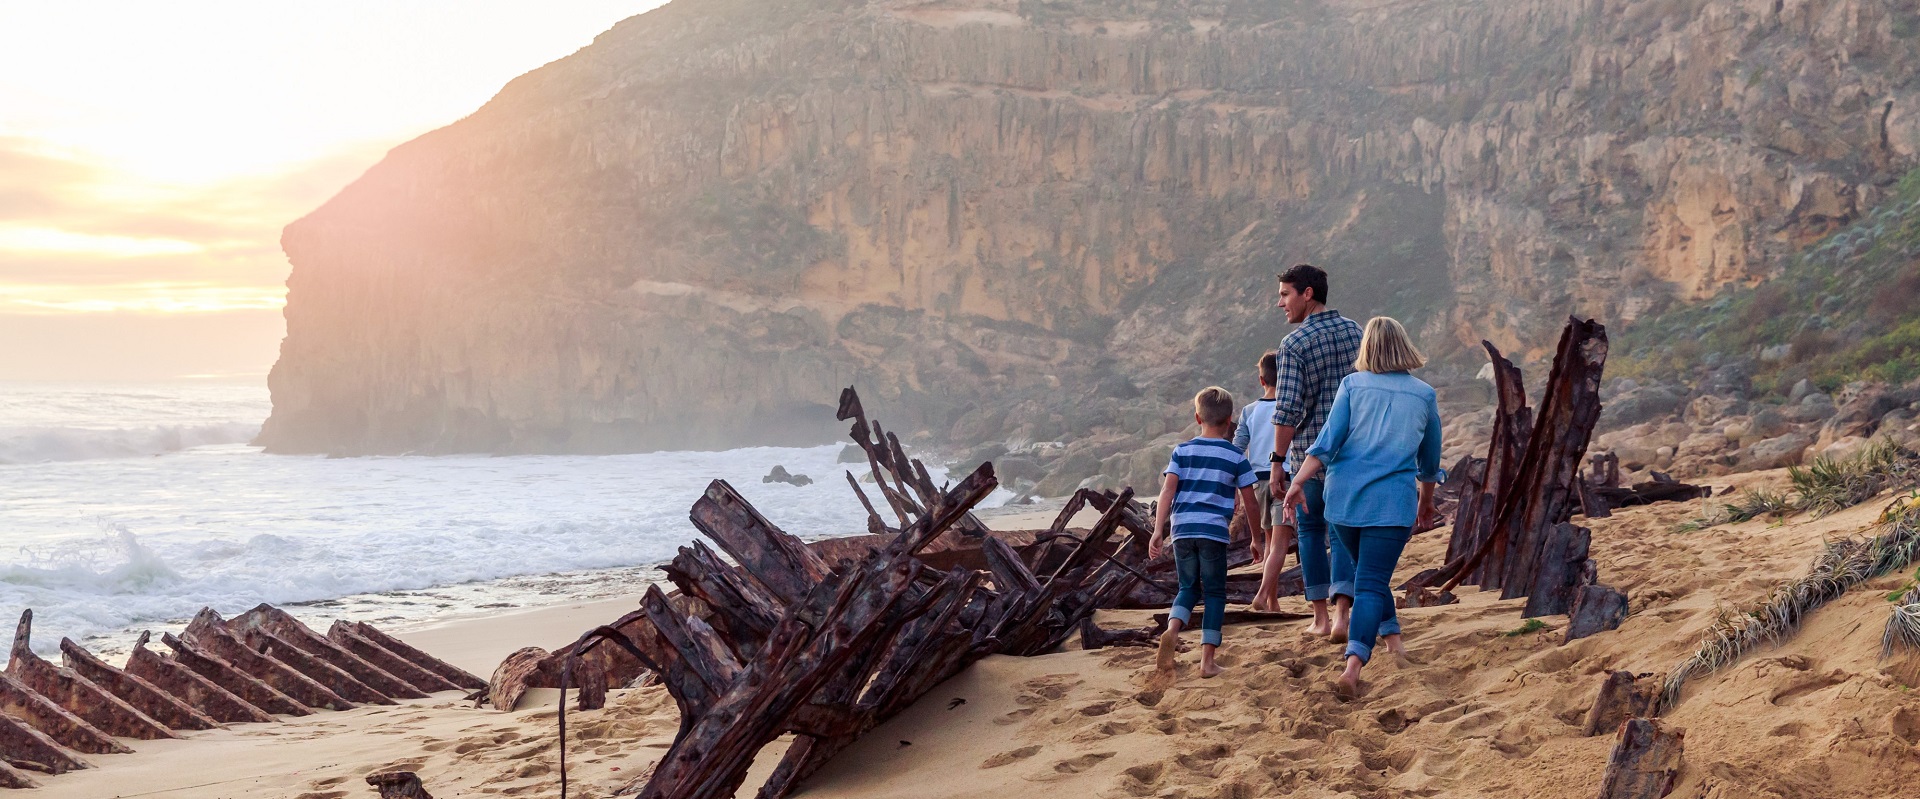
{"points": [[1385, 347], [1214, 405]]}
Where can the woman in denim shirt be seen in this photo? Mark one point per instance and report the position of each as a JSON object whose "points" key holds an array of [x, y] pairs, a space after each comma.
{"points": [[1382, 436]]}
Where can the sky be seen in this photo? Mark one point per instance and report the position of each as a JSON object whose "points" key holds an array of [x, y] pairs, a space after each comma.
{"points": [[151, 152]]}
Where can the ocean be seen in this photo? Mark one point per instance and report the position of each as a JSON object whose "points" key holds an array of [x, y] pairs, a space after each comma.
{"points": [[126, 507]]}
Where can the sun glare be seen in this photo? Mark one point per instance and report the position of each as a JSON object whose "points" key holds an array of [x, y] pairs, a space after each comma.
{"points": [[164, 298], [29, 240]]}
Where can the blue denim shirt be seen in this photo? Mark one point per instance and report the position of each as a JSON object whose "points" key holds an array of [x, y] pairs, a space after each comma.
{"points": [[1382, 433]]}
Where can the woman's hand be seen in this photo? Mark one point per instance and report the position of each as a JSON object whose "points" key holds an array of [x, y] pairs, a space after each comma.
{"points": [[1426, 518]]}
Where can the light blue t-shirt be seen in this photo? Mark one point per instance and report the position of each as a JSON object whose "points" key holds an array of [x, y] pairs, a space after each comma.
{"points": [[1210, 471], [1254, 435], [1382, 434]]}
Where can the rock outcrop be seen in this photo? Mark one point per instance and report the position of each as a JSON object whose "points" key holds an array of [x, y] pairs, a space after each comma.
{"points": [[1030, 222]]}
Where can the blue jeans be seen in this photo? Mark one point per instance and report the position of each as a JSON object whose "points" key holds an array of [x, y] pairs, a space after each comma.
{"points": [[1327, 570], [1375, 552], [1202, 565]]}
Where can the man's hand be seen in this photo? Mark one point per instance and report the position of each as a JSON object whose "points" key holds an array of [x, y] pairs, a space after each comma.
{"points": [[1156, 546], [1296, 497]]}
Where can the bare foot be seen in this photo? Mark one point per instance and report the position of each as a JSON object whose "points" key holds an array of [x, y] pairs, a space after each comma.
{"points": [[1210, 670], [1318, 627], [1347, 689], [1406, 660], [1169, 646], [1264, 605], [1339, 632]]}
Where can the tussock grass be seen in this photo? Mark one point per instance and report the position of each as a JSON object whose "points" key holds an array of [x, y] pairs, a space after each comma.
{"points": [[1903, 626], [1529, 626], [1841, 565], [1823, 487]]}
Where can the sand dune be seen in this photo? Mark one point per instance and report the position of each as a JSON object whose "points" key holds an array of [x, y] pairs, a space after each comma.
{"points": [[1488, 714]]}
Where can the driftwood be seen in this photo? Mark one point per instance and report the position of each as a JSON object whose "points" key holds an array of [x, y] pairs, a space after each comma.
{"points": [[1623, 695], [1645, 761], [398, 785], [109, 713], [1662, 488], [1596, 609], [1512, 537]]}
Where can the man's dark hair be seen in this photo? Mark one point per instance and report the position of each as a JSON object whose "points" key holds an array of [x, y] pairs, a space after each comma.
{"points": [[1270, 368], [1307, 276]]}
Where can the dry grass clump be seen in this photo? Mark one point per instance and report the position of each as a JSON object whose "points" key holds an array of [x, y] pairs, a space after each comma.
{"points": [[1823, 487], [1841, 565], [1903, 625]]}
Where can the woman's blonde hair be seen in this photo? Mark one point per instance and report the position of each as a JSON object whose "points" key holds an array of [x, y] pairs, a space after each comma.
{"points": [[1385, 347]]}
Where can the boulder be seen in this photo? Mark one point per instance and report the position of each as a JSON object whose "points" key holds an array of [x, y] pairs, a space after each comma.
{"points": [[1641, 404], [780, 475], [1777, 452], [1840, 450], [1858, 417]]}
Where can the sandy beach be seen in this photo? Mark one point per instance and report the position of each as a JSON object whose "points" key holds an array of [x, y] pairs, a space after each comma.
{"points": [[1487, 713]]}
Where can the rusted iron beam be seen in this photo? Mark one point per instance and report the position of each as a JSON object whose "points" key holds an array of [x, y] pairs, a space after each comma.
{"points": [[778, 561], [60, 724], [11, 777], [144, 696], [349, 637], [111, 714], [22, 746], [461, 678], [1645, 761], [525, 668], [190, 687], [267, 618], [208, 631], [241, 684]]}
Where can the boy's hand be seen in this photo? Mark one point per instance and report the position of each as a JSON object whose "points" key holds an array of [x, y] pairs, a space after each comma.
{"points": [[1259, 538], [1156, 546]]}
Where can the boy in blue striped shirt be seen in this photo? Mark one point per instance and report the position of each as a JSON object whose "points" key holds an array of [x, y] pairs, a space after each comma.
{"points": [[1203, 478]]}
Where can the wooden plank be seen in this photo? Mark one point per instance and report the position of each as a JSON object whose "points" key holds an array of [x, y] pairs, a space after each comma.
{"points": [[1645, 761], [1544, 487], [1560, 570], [1623, 695], [1596, 609], [778, 561]]}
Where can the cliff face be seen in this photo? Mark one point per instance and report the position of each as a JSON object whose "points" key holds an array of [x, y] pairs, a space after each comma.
{"points": [[1050, 220]]}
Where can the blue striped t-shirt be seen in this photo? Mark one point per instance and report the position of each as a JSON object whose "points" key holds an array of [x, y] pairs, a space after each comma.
{"points": [[1210, 471]]}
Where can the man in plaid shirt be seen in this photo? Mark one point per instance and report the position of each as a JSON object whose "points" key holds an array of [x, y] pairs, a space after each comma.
{"points": [[1313, 360]]}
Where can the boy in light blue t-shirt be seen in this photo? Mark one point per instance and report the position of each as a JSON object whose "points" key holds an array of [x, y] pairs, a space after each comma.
{"points": [[1203, 479]]}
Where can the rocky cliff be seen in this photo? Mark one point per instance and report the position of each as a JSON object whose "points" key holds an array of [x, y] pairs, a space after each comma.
{"points": [[1041, 221]]}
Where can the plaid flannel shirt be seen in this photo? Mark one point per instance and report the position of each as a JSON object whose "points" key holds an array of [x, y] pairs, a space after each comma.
{"points": [[1313, 360]]}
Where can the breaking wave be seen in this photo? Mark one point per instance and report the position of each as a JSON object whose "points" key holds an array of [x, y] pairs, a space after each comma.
{"points": [[52, 444]]}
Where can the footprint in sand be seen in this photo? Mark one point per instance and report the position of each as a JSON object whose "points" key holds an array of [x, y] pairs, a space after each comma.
{"points": [[1081, 763], [1097, 709], [1013, 756], [1014, 717], [1103, 731], [322, 795]]}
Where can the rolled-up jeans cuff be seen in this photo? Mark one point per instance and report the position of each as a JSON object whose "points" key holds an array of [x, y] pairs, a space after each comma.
{"points": [[1390, 627], [1316, 593], [1183, 615], [1210, 637], [1343, 588], [1360, 650]]}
